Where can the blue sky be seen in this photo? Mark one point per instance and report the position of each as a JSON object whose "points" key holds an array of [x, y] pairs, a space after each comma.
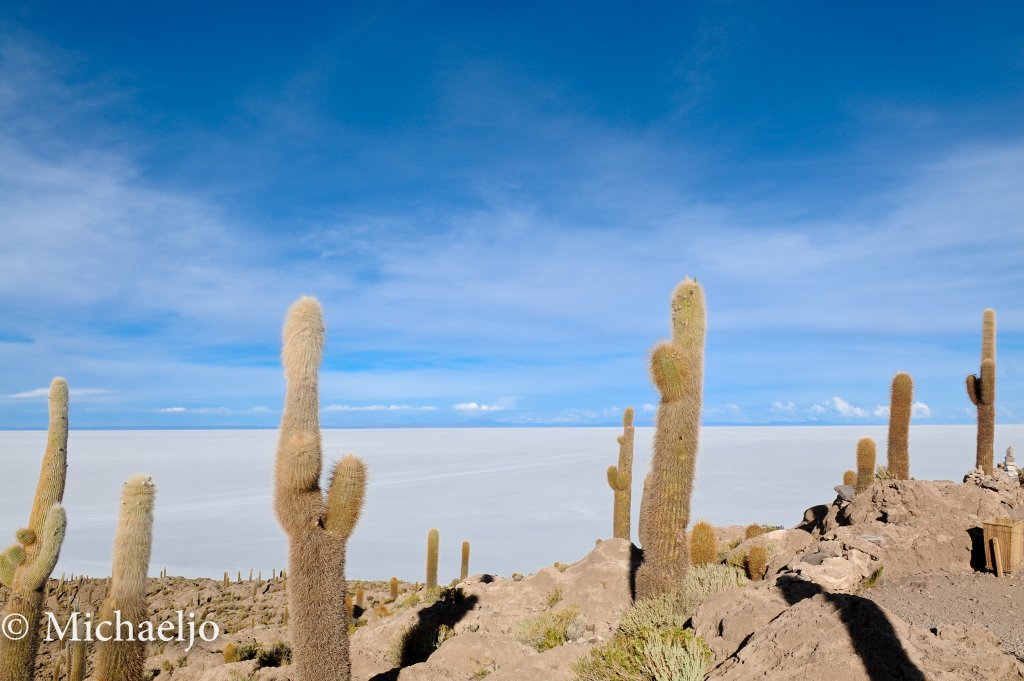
{"points": [[493, 205]]}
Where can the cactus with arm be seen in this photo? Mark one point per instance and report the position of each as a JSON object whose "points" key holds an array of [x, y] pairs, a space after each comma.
{"points": [[677, 368], [981, 388], [25, 566], [620, 479], [318, 526]]}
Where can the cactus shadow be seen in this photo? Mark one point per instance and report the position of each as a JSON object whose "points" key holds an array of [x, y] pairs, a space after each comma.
{"points": [[424, 637], [871, 632], [636, 557]]}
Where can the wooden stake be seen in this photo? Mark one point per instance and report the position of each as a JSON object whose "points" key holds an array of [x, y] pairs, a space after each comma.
{"points": [[997, 557]]}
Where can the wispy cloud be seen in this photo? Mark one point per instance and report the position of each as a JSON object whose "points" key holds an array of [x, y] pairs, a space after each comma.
{"points": [[43, 393], [377, 407], [215, 410]]}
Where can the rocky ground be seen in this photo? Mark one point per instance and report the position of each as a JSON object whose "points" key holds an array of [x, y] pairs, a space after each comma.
{"points": [[884, 585]]}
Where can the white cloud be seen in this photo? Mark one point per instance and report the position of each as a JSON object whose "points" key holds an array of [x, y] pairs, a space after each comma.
{"points": [[649, 407], [921, 409], [377, 407], [881, 411], [783, 408], [476, 407], [838, 406]]}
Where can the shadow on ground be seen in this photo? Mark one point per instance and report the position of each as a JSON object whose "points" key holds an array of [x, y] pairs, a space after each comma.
{"points": [[872, 634], [432, 625]]}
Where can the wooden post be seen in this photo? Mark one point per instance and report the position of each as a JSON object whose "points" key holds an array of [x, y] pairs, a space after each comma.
{"points": [[997, 557]]}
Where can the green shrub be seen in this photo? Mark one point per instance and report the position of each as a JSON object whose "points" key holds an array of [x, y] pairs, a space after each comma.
{"points": [[547, 630], [554, 597], [673, 654], [672, 611], [280, 653]]}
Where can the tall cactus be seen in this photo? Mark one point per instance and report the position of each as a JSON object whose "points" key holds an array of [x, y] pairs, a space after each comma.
{"points": [[901, 403], [318, 526], [677, 368], [433, 545], [865, 464], [25, 566], [620, 479], [133, 543], [464, 570], [981, 388]]}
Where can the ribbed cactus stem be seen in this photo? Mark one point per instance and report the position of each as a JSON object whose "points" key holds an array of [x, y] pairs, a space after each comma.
{"points": [[981, 388], [901, 403], [76, 672], [317, 526], [677, 369], [26, 566], [620, 479], [433, 545], [133, 543], [464, 569], [393, 588], [865, 463]]}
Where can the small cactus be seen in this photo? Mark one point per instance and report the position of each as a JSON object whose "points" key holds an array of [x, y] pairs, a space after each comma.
{"points": [[901, 403], [393, 588], [703, 544], [753, 530], [76, 672], [231, 654], [433, 544], [620, 479], [677, 368], [464, 570], [757, 562], [850, 478], [133, 542], [865, 463], [981, 388], [25, 567]]}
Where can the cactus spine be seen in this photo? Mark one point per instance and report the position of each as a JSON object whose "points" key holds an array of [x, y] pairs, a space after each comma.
{"points": [[981, 388], [133, 542], [677, 368], [25, 566], [850, 478], [318, 527], [620, 479], [865, 463], [433, 544], [901, 403], [464, 570]]}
